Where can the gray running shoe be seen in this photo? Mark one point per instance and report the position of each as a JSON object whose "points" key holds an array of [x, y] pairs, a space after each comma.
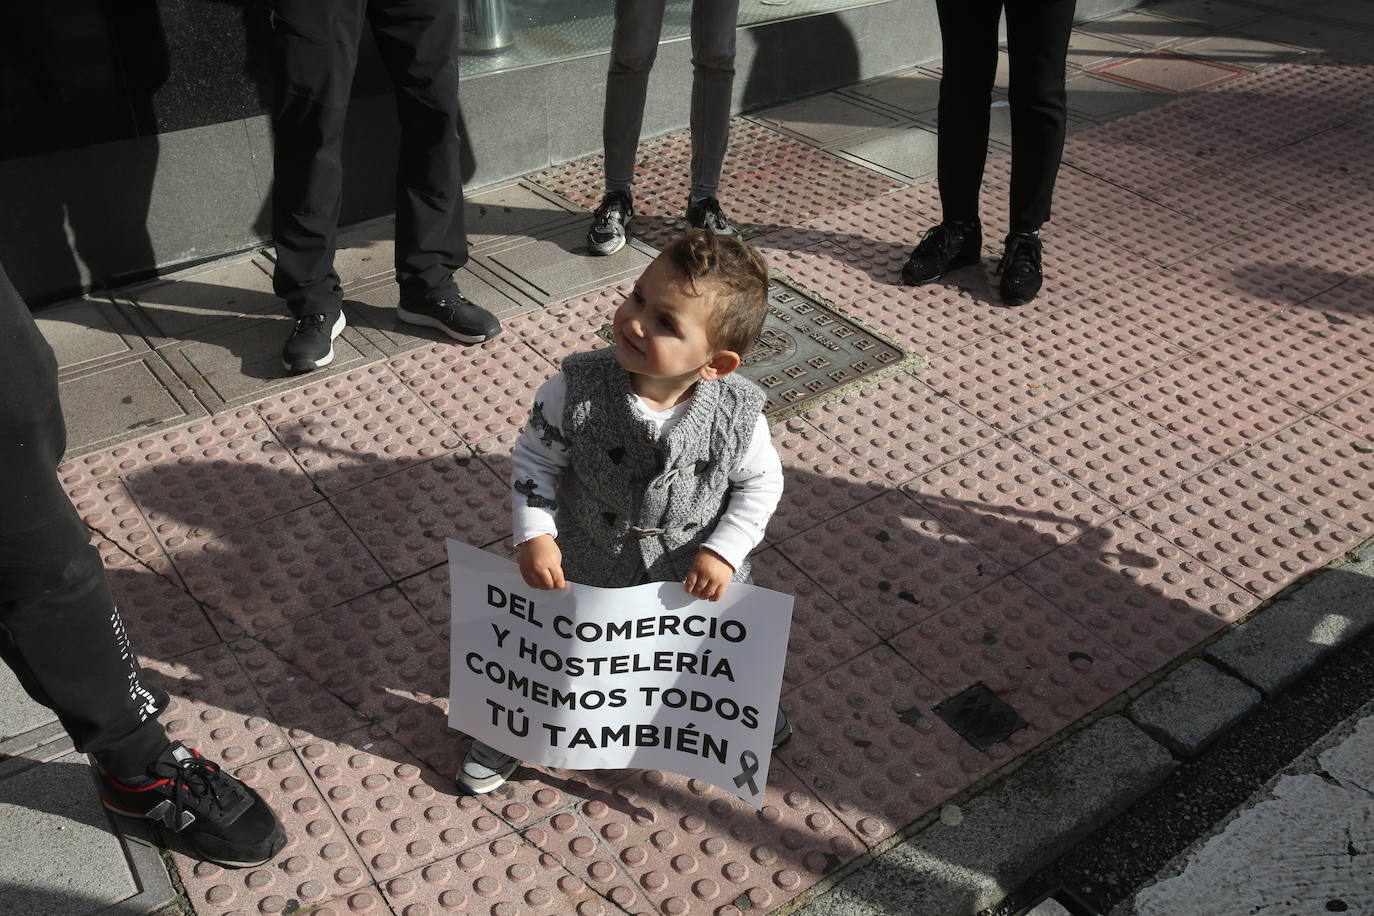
{"points": [[610, 222], [706, 214], [485, 769]]}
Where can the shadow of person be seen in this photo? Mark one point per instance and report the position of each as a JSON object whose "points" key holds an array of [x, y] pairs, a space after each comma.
{"points": [[773, 74]]}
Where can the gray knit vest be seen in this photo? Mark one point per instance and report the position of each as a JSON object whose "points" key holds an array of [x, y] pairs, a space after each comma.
{"points": [[634, 508]]}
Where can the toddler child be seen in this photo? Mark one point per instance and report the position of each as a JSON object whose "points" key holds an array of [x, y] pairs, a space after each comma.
{"points": [[651, 461]]}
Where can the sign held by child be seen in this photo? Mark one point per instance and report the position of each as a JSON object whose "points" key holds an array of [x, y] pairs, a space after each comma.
{"points": [[606, 678]]}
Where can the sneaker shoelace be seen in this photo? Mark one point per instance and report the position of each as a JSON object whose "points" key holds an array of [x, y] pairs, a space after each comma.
{"points": [[311, 322], [1022, 254], [194, 777]]}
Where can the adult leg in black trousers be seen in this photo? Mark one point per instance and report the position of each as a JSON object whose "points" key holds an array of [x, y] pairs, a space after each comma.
{"points": [[61, 633], [1037, 41], [315, 53]]}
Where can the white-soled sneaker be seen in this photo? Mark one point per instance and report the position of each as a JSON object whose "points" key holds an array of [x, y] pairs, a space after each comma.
{"points": [[485, 769]]}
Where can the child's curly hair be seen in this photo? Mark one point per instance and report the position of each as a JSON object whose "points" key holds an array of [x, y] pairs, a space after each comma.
{"points": [[735, 273]]}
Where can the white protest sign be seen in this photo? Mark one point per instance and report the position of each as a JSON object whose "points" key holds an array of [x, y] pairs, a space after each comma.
{"points": [[589, 678]]}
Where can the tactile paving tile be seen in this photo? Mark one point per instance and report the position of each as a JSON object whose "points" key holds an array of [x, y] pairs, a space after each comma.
{"points": [[1077, 195], [397, 813], [313, 398], [1223, 413], [1137, 592], [693, 849], [1155, 232], [214, 707], [1319, 466], [940, 317], [354, 442], [218, 435], [1045, 665], [123, 535], [1121, 455], [1006, 502], [507, 876], [890, 562], [1353, 413], [376, 653], [567, 837], [823, 633], [892, 219], [1185, 308], [1089, 343], [980, 717], [403, 519], [843, 275], [1345, 314], [220, 482], [866, 741], [821, 479], [1253, 535], [570, 326], [280, 570], [900, 427], [299, 704], [161, 619], [316, 865], [1265, 268], [1126, 157], [1226, 201], [1004, 384], [478, 393]]}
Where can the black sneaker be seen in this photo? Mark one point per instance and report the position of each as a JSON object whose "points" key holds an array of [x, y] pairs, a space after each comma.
{"points": [[706, 214], [943, 248], [454, 315], [222, 819], [610, 222], [1020, 268], [311, 344]]}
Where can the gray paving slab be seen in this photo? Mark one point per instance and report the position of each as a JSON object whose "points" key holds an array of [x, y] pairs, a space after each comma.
{"points": [[557, 267], [122, 400], [190, 305], [58, 853], [907, 151], [1192, 706], [1096, 97], [914, 91], [1313, 34], [1088, 50], [826, 119], [1277, 645], [1138, 27], [18, 713], [960, 865], [87, 331], [1215, 14], [512, 210], [1239, 51]]}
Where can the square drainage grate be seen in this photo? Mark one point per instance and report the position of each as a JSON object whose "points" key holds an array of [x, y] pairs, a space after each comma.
{"points": [[809, 351], [980, 717]]}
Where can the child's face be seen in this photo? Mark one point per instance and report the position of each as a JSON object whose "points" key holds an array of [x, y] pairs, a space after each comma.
{"points": [[660, 328]]}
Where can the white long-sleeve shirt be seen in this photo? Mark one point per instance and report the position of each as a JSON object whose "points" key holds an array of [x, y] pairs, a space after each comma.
{"points": [[755, 482]]}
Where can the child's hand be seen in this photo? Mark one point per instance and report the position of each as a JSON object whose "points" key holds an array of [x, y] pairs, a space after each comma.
{"points": [[541, 562], [709, 576]]}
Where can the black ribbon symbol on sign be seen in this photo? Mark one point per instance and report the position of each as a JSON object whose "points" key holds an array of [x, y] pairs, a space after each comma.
{"points": [[749, 765]]}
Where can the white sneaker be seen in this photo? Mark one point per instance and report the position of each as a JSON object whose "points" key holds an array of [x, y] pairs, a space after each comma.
{"points": [[484, 769]]}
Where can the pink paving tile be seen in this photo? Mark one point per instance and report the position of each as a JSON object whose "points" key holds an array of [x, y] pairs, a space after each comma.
{"points": [[1137, 592], [1034, 657], [1342, 316], [1088, 342], [1319, 466], [1233, 200], [124, 539], [280, 570], [692, 849], [1169, 71], [822, 479], [317, 870], [890, 562], [353, 442], [844, 275], [570, 326], [936, 319], [214, 707], [397, 813], [427, 592], [1265, 268], [313, 398], [478, 392], [217, 435], [209, 485], [1155, 232], [376, 653], [1077, 195], [1353, 413], [879, 219], [1126, 155], [823, 633], [1004, 384], [1185, 308], [1222, 412], [900, 427], [1252, 534], [161, 619], [1081, 265], [1121, 455], [505, 875], [1008, 503], [403, 519], [866, 741], [568, 838], [299, 704]]}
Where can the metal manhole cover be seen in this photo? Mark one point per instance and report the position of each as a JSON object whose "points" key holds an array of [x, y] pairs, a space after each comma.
{"points": [[808, 351], [980, 717]]}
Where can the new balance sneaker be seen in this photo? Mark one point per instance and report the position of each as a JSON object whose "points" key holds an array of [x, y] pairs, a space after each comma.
{"points": [[485, 769], [220, 818], [610, 222], [453, 314], [1021, 268], [943, 248], [311, 344], [706, 214]]}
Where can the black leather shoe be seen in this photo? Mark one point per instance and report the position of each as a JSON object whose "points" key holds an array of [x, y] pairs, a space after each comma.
{"points": [[706, 214], [1020, 268], [943, 248]]}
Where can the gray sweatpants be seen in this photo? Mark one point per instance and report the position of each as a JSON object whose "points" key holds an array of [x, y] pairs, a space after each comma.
{"points": [[638, 24]]}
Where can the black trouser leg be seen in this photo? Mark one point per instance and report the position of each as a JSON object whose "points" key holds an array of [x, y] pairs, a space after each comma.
{"points": [[1037, 43], [418, 42], [968, 35], [314, 54], [69, 650]]}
